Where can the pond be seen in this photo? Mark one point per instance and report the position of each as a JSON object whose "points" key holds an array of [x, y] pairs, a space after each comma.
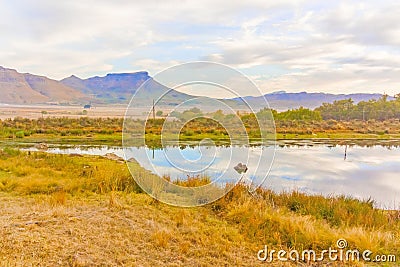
{"points": [[352, 170]]}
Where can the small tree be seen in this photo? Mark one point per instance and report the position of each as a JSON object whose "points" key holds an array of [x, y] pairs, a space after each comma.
{"points": [[43, 113]]}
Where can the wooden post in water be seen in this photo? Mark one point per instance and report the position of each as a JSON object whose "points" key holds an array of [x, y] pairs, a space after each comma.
{"points": [[154, 111]]}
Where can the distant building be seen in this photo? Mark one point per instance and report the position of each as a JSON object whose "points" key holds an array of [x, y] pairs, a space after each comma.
{"points": [[53, 103]]}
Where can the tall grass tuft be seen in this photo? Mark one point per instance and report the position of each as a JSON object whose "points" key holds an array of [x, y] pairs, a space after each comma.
{"points": [[43, 173], [301, 221]]}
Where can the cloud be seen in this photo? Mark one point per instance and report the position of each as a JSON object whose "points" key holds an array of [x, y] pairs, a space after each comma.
{"points": [[57, 38], [289, 45], [341, 49], [365, 24], [154, 66]]}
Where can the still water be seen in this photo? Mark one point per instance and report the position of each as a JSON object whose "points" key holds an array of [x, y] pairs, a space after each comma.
{"points": [[357, 171]]}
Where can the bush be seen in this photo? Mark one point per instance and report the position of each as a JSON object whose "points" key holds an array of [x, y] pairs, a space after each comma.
{"points": [[20, 134]]}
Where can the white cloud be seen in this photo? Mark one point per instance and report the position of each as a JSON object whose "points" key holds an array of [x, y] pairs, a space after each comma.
{"points": [[154, 66], [321, 52], [321, 46]]}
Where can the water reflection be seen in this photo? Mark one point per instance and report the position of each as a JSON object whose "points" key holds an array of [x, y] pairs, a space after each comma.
{"points": [[328, 169], [366, 172]]}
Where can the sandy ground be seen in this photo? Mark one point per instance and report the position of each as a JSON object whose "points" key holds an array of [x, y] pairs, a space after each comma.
{"points": [[113, 111], [34, 112]]}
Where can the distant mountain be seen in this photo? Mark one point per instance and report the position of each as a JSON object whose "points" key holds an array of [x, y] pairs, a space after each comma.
{"points": [[112, 88], [25, 88], [118, 88], [283, 101]]}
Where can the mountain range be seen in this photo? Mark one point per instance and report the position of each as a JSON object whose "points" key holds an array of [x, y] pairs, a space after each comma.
{"points": [[283, 101], [114, 88], [25, 88], [118, 88]]}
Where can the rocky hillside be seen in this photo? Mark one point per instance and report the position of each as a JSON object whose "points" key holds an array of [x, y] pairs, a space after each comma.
{"points": [[25, 88], [112, 88], [118, 88]]}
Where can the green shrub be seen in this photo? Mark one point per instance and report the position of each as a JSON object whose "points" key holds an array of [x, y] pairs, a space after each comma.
{"points": [[20, 134]]}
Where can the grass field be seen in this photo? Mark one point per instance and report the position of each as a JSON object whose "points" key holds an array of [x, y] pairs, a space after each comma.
{"points": [[60, 210], [72, 210], [108, 131]]}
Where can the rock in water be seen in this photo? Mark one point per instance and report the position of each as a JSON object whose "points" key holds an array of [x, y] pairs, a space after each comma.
{"points": [[42, 146], [241, 168], [112, 156]]}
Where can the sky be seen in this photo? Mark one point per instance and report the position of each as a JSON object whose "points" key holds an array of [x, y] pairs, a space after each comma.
{"points": [[294, 46]]}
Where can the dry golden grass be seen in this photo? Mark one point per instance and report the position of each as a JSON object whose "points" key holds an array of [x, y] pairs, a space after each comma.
{"points": [[88, 232], [56, 211]]}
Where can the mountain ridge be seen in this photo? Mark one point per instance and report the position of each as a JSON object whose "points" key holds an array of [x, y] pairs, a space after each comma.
{"points": [[26, 88], [118, 88], [114, 87], [283, 100]]}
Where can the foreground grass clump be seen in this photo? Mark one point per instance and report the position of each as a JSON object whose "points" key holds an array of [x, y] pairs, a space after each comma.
{"points": [[60, 210], [193, 181], [42, 173], [300, 221]]}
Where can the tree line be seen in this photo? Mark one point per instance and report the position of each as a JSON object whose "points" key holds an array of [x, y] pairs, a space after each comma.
{"points": [[345, 110]]}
